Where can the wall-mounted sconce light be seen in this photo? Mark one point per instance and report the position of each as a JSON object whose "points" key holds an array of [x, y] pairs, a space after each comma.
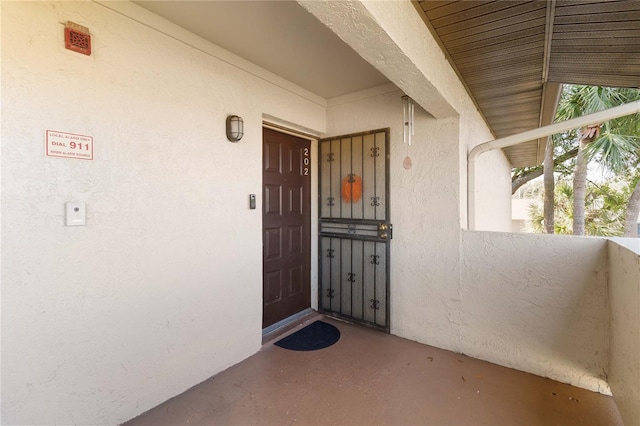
{"points": [[235, 128]]}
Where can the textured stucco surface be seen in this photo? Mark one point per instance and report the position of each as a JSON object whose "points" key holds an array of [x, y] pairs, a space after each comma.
{"points": [[428, 202], [163, 287], [378, 31], [537, 303], [424, 213], [624, 296], [392, 37], [493, 199]]}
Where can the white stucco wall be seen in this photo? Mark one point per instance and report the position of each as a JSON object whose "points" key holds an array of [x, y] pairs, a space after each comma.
{"points": [[493, 197], [424, 212], [537, 303], [428, 202], [392, 36], [162, 288], [405, 27], [624, 297], [521, 301]]}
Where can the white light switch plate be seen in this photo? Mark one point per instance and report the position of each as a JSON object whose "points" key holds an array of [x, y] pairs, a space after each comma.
{"points": [[76, 214]]}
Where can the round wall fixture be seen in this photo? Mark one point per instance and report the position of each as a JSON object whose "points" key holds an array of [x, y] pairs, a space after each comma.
{"points": [[407, 163]]}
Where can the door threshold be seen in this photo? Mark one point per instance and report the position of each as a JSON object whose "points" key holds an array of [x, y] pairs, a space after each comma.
{"points": [[287, 324]]}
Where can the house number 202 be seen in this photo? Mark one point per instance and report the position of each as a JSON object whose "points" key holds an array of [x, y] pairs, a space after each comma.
{"points": [[305, 161]]}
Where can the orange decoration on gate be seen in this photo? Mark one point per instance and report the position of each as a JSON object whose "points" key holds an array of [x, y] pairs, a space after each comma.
{"points": [[352, 188]]}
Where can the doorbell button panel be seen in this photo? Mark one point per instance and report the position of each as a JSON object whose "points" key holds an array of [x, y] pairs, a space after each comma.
{"points": [[75, 214], [252, 201]]}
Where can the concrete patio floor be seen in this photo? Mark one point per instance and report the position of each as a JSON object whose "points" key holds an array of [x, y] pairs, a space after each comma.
{"points": [[369, 377]]}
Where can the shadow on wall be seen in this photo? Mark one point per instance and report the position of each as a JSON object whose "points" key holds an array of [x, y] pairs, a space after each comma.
{"points": [[624, 299], [583, 342]]}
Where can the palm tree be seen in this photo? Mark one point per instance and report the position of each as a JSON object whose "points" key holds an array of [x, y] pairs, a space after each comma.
{"points": [[551, 165], [633, 207], [563, 209], [604, 210], [609, 142], [549, 187]]}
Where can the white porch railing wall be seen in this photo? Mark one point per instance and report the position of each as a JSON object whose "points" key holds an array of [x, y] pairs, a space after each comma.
{"points": [[562, 307], [624, 304], [537, 303]]}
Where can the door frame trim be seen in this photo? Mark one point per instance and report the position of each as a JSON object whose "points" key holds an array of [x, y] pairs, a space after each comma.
{"points": [[283, 323], [289, 131]]}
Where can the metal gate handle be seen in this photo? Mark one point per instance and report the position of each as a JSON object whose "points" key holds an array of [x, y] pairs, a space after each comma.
{"points": [[385, 231]]}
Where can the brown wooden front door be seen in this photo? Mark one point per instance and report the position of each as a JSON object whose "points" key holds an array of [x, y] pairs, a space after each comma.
{"points": [[286, 225]]}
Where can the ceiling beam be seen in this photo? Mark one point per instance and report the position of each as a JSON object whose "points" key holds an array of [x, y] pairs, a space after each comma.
{"points": [[550, 92], [384, 42]]}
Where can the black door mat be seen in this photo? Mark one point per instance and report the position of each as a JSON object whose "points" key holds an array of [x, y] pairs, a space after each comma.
{"points": [[318, 335]]}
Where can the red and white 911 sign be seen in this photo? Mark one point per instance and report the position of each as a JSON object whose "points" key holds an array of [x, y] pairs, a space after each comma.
{"points": [[69, 145]]}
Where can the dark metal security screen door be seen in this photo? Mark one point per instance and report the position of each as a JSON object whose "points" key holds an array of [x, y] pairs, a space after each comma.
{"points": [[354, 227]]}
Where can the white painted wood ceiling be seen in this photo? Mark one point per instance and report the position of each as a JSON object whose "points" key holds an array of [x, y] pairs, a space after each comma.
{"points": [[508, 51]]}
